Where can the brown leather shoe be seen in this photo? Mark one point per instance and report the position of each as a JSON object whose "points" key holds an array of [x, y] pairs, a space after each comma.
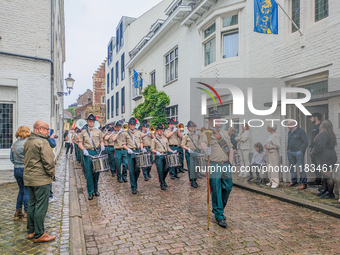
{"points": [[18, 214], [302, 186], [292, 184], [30, 236], [44, 238], [24, 218]]}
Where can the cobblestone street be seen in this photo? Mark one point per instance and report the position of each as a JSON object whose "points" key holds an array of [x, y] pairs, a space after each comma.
{"points": [[175, 222], [13, 235]]}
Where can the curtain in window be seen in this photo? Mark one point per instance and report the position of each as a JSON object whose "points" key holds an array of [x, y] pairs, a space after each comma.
{"points": [[210, 52], [230, 45]]}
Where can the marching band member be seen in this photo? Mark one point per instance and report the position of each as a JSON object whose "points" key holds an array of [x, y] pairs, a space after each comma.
{"points": [[91, 139], [110, 150], [147, 136], [221, 155], [174, 135], [191, 146], [117, 140], [160, 146], [76, 145], [132, 143]]}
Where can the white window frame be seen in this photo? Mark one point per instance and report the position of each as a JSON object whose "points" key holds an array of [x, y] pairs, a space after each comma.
{"points": [[207, 39], [224, 30], [169, 64], [153, 73]]}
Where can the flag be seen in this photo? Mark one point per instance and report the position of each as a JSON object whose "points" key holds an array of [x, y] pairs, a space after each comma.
{"points": [[138, 81], [74, 125], [265, 16]]}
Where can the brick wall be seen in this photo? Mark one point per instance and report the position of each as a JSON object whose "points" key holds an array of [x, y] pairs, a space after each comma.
{"points": [[85, 98], [98, 81], [81, 109]]}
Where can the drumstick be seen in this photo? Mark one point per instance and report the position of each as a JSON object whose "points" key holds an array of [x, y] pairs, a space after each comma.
{"points": [[208, 133]]}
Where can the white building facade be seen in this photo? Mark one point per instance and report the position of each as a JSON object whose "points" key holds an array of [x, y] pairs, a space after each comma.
{"points": [[215, 39], [32, 53]]}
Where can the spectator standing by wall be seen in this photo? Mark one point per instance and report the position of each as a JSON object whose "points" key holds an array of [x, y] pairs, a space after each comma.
{"points": [[296, 148], [243, 145], [315, 118], [17, 158], [69, 143]]}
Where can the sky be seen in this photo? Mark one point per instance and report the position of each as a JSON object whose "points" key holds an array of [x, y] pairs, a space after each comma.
{"points": [[89, 25]]}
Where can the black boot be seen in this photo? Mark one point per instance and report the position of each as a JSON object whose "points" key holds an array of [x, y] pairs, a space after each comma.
{"points": [[96, 193], [90, 196], [222, 223]]}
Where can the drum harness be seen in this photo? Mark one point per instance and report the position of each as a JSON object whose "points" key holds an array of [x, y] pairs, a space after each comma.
{"points": [[133, 139]]}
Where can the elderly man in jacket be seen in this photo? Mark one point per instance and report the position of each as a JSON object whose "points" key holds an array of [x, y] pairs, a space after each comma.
{"points": [[39, 174]]}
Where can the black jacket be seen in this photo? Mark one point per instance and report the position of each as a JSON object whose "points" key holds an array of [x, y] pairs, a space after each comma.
{"points": [[297, 140], [315, 132], [323, 149]]}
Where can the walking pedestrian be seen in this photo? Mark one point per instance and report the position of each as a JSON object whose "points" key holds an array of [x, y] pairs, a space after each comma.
{"points": [[69, 143], [17, 158], [324, 152], [296, 149], [315, 118], [38, 175], [272, 147]]}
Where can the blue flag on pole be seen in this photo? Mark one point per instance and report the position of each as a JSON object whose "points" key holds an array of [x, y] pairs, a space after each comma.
{"points": [[138, 81], [266, 16]]}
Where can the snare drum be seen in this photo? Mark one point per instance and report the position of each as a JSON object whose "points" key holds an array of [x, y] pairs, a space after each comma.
{"points": [[198, 160], [172, 160], [143, 160], [100, 163]]}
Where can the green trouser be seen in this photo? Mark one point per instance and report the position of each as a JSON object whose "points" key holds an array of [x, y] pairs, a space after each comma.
{"points": [[91, 177], [81, 155], [134, 171], [174, 170], [161, 169], [146, 170], [121, 160], [181, 157], [75, 149], [111, 154], [191, 168], [220, 185], [37, 208]]}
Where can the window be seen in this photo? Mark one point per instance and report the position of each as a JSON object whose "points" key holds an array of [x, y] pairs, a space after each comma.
{"points": [[122, 67], [117, 103], [123, 100], [119, 37], [295, 14], [224, 110], [6, 126], [109, 53], [210, 30], [112, 79], [317, 88], [108, 108], [112, 107], [230, 44], [117, 73], [103, 99], [172, 112], [321, 9], [136, 92], [108, 82], [153, 78], [171, 65], [103, 85], [210, 52], [230, 21]]}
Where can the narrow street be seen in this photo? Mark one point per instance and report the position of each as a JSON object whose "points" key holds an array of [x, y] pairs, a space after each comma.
{"points": [[175, 221]]}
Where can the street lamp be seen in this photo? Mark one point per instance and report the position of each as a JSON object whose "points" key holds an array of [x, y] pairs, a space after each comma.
{"points": [[69, 85]]}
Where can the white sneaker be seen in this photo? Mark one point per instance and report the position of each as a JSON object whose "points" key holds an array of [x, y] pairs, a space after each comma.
{"points": [[53, 199], [274, 186], [269, 183]]}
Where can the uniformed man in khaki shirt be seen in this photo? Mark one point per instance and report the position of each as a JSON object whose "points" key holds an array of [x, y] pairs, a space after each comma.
{"points": [[110, 150], [191, 145], [221, 156], [89, 148], [160, 147], [132, 143], [147, 136], [174, 136], [120, 159], [76, 144]]}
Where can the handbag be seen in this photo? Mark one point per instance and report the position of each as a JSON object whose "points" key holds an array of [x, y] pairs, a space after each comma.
{"points": [[17, 154]]}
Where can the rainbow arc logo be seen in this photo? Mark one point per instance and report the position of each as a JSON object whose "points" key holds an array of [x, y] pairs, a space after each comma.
{"points": [[204, 98]]}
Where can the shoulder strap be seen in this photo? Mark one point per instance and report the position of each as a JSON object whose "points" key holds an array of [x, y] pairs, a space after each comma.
{"points": [[160, 143], [132, 139], [192, 140], [222, 143], [17, 154], [91, 140]]}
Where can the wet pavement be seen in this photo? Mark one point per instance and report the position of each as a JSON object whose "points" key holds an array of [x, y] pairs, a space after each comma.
{"points": [[13, 235], [175, 221]]}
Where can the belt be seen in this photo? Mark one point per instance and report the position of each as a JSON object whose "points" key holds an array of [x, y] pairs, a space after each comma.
{"points": [[120, 149], [146, 147], [174, 145], [134, 148], [111, 146], [218, 162]]}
